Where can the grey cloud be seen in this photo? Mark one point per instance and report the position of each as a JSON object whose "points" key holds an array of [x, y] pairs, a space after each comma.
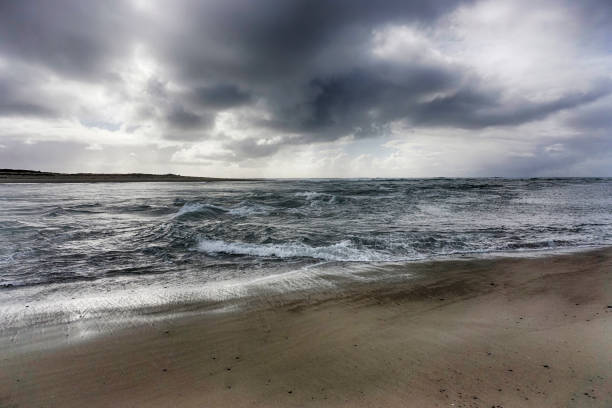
{"points": [[249, 148], [307, 62], [19, 98], [221, 96], [182, 119], [39, 156], [8, 108], [583, 156], [156, 88], [595, 16], [360, 101], [184, 125], [166, 108], [363, 102], [285, 53], [76, 39], [593, 118], [470, 109], [272, 39], [77, 157]]}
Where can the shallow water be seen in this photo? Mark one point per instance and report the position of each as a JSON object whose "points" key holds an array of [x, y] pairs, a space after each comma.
{"points": [[89, 247]]}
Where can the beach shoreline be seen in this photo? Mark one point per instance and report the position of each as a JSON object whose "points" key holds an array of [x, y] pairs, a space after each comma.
{"points": [[494, 332]]}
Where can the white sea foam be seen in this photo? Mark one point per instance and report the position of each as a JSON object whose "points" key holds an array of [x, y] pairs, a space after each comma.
{"points": [[246, 210], [241, 211], [188, 208], [341, 251], [313, 195], [316, 199], [196, 207]]}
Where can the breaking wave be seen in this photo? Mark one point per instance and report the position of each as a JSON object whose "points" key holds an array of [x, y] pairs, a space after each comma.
{"points": [[189, 208], [312, 195], [214, 210], [341, 251], [53, 234]]}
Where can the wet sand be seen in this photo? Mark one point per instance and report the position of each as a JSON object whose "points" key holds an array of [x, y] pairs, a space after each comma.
{"points": [[486, 333]]}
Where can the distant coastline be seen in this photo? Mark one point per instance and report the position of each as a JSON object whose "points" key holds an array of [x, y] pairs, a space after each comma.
{"points": [[33, 176]]}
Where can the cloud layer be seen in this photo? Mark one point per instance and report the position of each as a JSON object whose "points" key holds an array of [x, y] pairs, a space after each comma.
{"points": [[308, 88]]}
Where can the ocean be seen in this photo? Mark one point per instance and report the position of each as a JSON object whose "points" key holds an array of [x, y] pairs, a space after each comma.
{"points": [[79, 249]]}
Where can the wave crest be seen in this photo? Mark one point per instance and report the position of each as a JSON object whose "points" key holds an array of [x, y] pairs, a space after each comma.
{"points": [[243, 210], [341, 251], [249, 209], [210, 209], [314, 195]]}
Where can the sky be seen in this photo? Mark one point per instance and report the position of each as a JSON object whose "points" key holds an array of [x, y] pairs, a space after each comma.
{"points": [[308, 88]]}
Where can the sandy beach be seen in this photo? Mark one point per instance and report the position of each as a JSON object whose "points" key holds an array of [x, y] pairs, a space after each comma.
{"points": [[510, 332]]}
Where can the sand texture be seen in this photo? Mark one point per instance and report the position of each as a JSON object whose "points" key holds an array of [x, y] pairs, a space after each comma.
{"points": [[486, 333]]}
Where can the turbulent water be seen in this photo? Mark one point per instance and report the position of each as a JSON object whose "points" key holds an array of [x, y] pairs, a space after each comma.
{"points": [[81, 247], [61, 233]]}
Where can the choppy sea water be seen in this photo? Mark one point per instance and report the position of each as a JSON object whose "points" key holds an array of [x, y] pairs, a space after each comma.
{"points": [[81, 248]]}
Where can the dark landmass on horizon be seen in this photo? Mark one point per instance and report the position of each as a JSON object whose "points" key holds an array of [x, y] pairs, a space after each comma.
{"points": [[33, 176]]}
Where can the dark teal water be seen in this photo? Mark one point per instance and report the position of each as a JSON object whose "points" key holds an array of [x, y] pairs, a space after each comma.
{"points": [[60, 233]]}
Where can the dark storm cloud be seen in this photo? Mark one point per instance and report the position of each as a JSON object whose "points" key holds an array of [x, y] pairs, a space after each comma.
{"points": [[19, 108], [361, 101], [470, 109], [228, 54], [249, 148], [220, 96], [273, 39], [182, 119], [594, 118], [187, 126], [75, 38], [307, 63], [166, 108], [18, 97]]}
